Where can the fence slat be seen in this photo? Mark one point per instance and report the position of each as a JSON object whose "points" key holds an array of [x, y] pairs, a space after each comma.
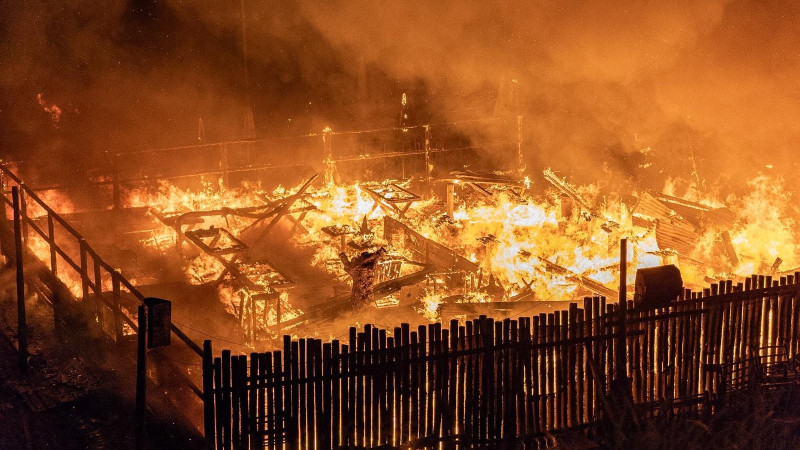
{"points": [[494, 383]]}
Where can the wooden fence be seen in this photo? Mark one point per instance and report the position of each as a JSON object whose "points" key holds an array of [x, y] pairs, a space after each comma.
{"points": [[495, 382]]}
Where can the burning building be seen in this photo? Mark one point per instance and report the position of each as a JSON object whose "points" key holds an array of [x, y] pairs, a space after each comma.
{"points": [[310, 195]]}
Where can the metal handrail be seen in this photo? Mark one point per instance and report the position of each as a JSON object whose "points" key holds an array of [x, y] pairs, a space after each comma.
{"points": [[86, 277]]}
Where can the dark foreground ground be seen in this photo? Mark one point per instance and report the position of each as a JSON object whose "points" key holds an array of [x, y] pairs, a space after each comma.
{"points": [[73, 397], [82, 397]]}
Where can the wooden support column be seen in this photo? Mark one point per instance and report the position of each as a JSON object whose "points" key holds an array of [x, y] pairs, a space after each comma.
{"points": [[22, 323]]}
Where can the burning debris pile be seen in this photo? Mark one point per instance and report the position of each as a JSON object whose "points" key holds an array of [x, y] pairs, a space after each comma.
{"points": [[481, 238]]}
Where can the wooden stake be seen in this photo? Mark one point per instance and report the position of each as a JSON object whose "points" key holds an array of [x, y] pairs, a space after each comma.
{"points": [[208, 395], [141, 371], [22, 325], [623, 309]]}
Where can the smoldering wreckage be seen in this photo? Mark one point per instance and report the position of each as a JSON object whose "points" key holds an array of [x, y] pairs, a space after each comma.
{"points": [[407, 286]]}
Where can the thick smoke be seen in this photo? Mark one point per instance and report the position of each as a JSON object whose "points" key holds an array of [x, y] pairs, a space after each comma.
{"points": [[706, 85]]}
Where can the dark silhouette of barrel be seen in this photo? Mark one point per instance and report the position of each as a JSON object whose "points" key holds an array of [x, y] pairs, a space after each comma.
{"points": [[657, 286]]}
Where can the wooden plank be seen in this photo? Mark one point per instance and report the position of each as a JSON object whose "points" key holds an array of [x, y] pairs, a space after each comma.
{"points": [[244, 420], [209, 413], [226, 399], [318, 424], [219, 403], [408, 371], [440, 378], [322, 394], [384, 363], [590, 385], [367, 368], [336, 393], [352, 383], [346, 426], [417, 366], [293, 432], [302, 404], [572, 361], [253, 425], [269, 398], [449, 428], [544, 416], [280, 413], [360, 394], [529, 386], [392, 394], [472, 383]]}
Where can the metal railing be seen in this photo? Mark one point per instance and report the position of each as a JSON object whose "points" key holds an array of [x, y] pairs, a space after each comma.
{"points": [[88, 266]]}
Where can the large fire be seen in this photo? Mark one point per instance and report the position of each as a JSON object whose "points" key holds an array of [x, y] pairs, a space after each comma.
{"points": [[498, 238], [535, 247]]}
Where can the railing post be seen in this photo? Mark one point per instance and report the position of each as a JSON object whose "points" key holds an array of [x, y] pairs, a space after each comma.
{"points": [[208, 396], [98, 292], [52, 235], [141, 380], [84, 269], [116, 293], [22, 325], [23, 209]]}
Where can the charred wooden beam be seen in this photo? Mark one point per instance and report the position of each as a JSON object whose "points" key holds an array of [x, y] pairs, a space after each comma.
{"points": [[565, 188], [584, 281]]}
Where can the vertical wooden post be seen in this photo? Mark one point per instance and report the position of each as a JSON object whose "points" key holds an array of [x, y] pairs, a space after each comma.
{"points": [[84, 269], [22, 325], [23, 211], [141, 381], [208, 395], [53, 255], [623, 309], [450, 200], [428, 166], [330, 164], [116, 293], [98, 292]]}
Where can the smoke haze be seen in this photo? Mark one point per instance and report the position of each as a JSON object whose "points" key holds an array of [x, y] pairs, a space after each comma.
{"points": [[708, 84]]}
